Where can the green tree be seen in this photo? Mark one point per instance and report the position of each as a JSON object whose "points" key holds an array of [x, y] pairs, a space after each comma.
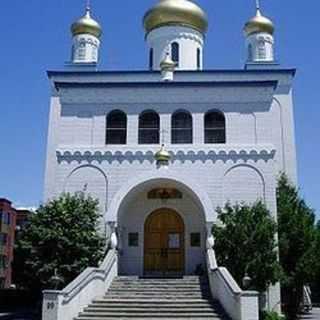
{"points": [[61, 236], [245, 243], [316, 283], [317, 254], [297, 242]]}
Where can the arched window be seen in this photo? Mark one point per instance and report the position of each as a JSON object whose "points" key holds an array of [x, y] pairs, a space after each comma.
{"points": [[116, 127], [214, 127], [149, 128], [181, 127], [151, 59], [175, 52], [198, 58]]}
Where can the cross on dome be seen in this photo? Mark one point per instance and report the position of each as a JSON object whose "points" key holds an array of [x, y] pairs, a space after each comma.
{"points": [[88, 7], [258, 4]]}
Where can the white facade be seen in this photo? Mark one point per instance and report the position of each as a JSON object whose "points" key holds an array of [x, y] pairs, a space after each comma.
{"points": [[257, 105]]}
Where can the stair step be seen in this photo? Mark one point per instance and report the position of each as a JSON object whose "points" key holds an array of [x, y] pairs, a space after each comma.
{"points": [[157, 301], [160, 285], [157, 290], [152, 304], [167, 315], [154, 318], [99, 310], [133, 298], [143, 307], [156, 297]]}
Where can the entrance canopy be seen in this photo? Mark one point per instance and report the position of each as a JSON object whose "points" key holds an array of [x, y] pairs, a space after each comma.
{"points": [[160, 178]]}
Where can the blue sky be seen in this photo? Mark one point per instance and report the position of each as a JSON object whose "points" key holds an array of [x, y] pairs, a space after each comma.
{"points": [[35, 37]]}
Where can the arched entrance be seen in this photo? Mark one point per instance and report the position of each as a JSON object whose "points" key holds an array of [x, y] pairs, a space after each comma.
{"points": [[164, 244]]}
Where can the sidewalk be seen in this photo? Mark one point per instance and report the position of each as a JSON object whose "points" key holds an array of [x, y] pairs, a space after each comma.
{"points": [[313, 315], [16, 316]]}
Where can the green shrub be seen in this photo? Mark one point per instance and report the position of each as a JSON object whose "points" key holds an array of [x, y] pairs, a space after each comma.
{"points": [[271, 316]]}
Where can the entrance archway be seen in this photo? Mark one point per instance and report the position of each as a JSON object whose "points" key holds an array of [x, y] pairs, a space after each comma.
{"points": [[164, 244]]}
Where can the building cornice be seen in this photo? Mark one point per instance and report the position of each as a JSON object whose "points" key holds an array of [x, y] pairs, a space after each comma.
{"points": [[289, 71], [173, 84], [192, 153]]}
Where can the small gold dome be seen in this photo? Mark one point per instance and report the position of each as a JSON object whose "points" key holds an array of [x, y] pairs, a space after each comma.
{"points": [[259, 23], [167, 63], [176, 12], [86, 25], [162, 155]]}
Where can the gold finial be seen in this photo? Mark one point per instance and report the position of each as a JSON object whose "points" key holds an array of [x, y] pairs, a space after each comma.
{"points": [[88, 6], [258, 11], [167, 63], [162, 156], [258, 5]]}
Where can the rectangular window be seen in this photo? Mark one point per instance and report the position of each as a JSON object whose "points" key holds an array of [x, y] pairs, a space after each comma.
{"points": [[6, 219], [133, 239], [3, 262], [195, 240], [3, 239]]}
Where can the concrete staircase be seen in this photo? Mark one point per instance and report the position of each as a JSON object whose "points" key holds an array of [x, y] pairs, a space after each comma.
{"points": [[135, 298]]}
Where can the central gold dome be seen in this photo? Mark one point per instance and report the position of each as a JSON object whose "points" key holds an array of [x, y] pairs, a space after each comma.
{"points": [[176, 13]]}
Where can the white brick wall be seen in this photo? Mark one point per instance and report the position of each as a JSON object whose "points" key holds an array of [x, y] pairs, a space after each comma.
{"points": [[260, 142]]}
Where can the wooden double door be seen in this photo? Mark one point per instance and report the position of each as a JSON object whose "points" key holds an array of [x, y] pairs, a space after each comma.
{"points": [[164, 244]]}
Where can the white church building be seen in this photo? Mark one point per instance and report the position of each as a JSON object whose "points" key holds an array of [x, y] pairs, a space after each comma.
{"points": [[162, 148]]}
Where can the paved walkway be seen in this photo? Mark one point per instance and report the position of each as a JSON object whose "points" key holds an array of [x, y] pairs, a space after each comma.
{"points": [[16, 316], [313, 315]]}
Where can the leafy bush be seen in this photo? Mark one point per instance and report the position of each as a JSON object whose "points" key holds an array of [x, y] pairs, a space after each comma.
{"points": [[245, 244], [271, 316]]}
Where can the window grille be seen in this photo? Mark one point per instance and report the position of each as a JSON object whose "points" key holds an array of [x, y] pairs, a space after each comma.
{"points": [[149, 128], [116, 128], [215, 127], [175, 52], [181, 128]]}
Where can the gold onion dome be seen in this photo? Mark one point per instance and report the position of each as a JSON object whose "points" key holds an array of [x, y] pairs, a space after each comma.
{"points": [[167, 63], [162, 154], [176, 13], [259, 23], [86, 25]]}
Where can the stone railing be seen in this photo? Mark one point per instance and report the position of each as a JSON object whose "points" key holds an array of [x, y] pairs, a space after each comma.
{"points": [[90, 284], [238, 304]]}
